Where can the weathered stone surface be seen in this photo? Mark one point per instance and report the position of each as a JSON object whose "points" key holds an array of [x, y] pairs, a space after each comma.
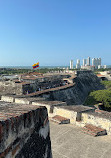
{"points": [[24, 131], [9, 87], [77, 108], [68, 141]]}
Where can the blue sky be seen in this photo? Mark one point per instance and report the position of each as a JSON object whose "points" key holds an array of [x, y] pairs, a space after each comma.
{"points": [[54, 31]]}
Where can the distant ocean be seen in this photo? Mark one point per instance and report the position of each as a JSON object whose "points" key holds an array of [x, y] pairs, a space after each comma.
{"points": [[41, 67], [30, 67]]}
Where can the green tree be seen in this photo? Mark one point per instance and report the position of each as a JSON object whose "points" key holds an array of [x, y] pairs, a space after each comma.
{"points": [[103, 96], [107, 84]]}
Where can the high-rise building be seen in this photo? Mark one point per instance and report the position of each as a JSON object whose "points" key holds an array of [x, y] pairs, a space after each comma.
{"points": [[78, 64], [88, 61], [71, 64], [93, 62], [78, 61], [84, 62], [96, 62], [99, 61]]}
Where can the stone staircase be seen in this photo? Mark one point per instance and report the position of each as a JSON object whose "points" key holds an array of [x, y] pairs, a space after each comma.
{"points": [[60, 120], [93, 130]]}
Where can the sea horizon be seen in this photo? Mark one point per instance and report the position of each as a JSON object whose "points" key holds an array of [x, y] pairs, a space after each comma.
{"points": [[30, 67], [41, 67]]}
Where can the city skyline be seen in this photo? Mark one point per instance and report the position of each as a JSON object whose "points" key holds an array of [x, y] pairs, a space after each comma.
{"points": [[53, 32], [88, 63]]}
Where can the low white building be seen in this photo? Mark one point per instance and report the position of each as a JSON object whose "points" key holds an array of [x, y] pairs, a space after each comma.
{"points": [[88, 67]]}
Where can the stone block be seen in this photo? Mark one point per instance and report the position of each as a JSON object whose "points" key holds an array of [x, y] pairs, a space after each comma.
{"points": [[7, 98], [22, 101]]}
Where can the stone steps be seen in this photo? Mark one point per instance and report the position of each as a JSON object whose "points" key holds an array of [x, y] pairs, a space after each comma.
{"points": [[60, 120], [93, 130]]}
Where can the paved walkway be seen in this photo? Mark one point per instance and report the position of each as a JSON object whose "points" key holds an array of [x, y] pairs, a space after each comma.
{"points": [[69, 142]]}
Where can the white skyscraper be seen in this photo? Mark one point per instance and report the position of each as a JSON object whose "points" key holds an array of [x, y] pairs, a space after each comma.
{"points": [[88, 61], [71, 64], [93, 62], [84, 62], [96, 62], [78, 64], [99, 61]]}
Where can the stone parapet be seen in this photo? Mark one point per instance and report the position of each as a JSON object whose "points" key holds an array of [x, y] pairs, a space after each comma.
{"points": [[50, 105], [28, 100], [101, 120], [74, 113]]}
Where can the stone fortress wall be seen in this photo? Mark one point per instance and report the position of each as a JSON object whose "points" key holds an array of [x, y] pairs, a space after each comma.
{"points": [[75, 92], [73, 89]]}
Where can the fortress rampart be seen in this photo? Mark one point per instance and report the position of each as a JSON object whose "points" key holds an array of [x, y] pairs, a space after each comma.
{"points": [[72, 90], [73, 93]]}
